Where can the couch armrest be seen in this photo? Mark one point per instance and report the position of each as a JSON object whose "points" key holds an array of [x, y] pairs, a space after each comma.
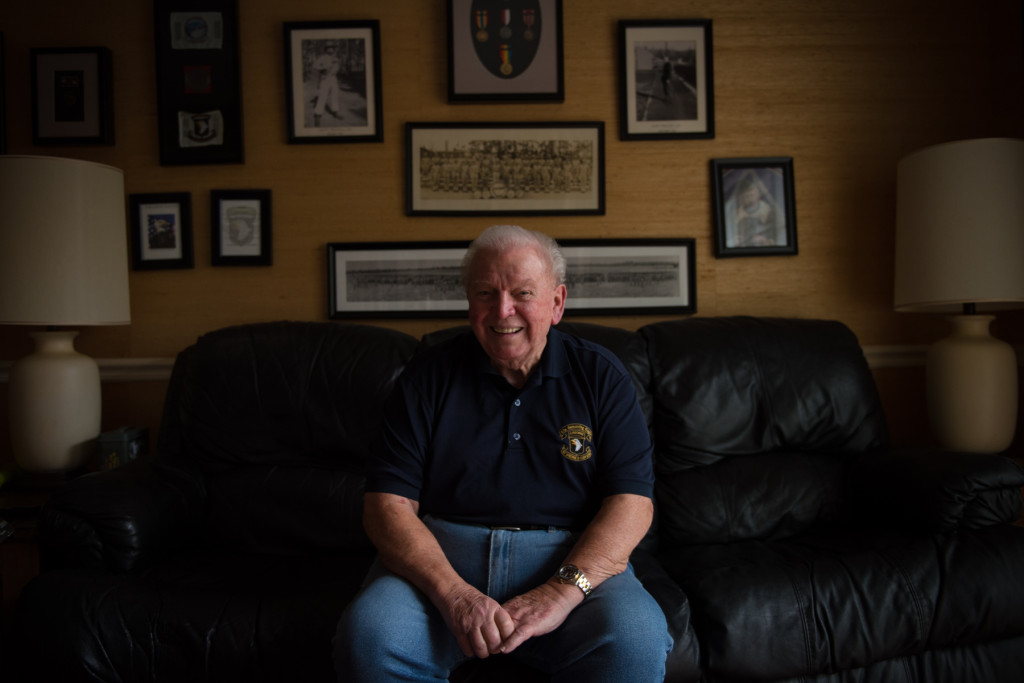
{"points": [[684, 661], [121, 519], [936, 491]]}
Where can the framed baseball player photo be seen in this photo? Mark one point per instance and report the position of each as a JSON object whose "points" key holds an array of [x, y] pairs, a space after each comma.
{"points": [[333, 82], [499, 51]]}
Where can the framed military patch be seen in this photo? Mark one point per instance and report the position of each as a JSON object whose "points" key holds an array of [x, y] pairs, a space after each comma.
{"points": [[505, 51], [240, 228]]}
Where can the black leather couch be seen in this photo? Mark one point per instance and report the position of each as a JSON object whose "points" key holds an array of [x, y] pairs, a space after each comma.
{"points": [[790, 543]]}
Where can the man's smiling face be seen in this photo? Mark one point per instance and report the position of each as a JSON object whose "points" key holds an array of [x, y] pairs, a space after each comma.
{"points": [[514, 300]]}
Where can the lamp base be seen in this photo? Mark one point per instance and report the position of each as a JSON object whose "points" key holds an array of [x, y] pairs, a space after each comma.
{"points": [[54, 405], [972, 388]]}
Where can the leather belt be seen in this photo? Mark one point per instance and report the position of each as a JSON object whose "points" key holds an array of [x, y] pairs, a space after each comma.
{"points": [[528, 527]]}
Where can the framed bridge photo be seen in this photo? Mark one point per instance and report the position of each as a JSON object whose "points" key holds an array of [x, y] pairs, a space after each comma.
{"points": [[666, 81]]}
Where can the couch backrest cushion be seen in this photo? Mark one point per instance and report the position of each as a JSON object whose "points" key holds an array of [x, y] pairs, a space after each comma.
{"points": [[755, 389], [281, 417]]}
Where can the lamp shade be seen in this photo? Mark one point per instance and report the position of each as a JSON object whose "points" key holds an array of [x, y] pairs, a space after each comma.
{"points": [[960, 226], [63, 246]]}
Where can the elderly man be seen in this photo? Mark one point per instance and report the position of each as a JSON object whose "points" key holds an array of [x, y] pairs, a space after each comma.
{"points": [[513, 482]]}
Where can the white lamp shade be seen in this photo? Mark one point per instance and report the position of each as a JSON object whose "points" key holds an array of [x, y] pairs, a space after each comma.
{"points": [[63, 245], [960, 226]]}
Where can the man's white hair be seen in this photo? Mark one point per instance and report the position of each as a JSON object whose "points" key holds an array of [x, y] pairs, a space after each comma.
{"points": [[500, 238]]}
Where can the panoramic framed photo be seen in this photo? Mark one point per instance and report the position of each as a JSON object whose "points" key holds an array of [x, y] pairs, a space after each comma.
{"points": [[240, 222], [423, 279], [395, 279], [161, 230], [754, 206], [72, 96], [333, 81], [505, 168], [505, 51], [666, 80], [199, 102], [619, 276]]}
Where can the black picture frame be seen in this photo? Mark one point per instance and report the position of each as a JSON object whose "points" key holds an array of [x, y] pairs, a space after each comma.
{"points": [[754, 206], [72, 96], [161, 230], [666, 80], [423, 279], [198, 83], [503, 52], [241, 228], [522, 169], [354, 88]]}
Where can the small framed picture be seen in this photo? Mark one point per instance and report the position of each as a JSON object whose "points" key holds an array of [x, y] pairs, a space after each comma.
{"points": [[505, 168], [161, 226], [240, 222], [72, 96], [505, 51], [333, 81], [755, 207], [666, 80]]}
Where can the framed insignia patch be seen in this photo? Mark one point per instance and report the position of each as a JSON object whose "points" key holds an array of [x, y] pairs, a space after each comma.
{"points": [[505, 51]]}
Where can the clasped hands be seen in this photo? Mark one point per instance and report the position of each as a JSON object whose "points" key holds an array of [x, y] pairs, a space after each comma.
{"points": [[483, 627]]}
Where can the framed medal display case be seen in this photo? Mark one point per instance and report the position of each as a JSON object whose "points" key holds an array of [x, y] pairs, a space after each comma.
{"points": [[501, 51], [72, 96], [199, 101]]}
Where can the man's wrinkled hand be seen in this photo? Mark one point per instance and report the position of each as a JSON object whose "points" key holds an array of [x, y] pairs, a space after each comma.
{"points": [[480, 624], [539, 611]]}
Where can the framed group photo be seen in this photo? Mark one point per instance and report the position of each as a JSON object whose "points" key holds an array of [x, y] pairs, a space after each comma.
{"points": [[161, 230], [505, 168], [72, 96], [499, 51], [240, 222], [754, 206], [333, 81], [666, 80], [423, 279]]}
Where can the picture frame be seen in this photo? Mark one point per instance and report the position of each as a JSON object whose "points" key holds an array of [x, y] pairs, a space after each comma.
{"points": [[666, 80], [466, 169], [333, 81], [498, 53], [754, 207], [423, 279], [161, 230], [72, 96], [240, 228], [199, 100]]}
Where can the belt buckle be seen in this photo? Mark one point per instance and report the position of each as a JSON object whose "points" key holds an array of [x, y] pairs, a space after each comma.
{"points": [[506, 528]]}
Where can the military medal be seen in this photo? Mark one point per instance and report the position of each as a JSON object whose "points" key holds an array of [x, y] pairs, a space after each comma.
{"points": [[481, 25], [506, 19], [506, 65], [528, 18]]}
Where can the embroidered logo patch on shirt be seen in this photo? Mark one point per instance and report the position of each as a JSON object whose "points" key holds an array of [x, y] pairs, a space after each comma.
{"points": [[577, 440]]}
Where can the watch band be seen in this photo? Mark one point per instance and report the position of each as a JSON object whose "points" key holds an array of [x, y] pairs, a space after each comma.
{"points": [[570, 574]]}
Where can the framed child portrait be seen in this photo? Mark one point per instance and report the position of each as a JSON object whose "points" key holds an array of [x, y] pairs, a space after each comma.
{"points": [[755, 209]]}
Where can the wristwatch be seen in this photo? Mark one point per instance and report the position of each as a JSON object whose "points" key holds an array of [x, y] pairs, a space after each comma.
{"points": [[571, 574]]}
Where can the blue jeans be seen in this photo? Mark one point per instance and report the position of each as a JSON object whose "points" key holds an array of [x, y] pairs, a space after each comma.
{"points": [[392, 632]]}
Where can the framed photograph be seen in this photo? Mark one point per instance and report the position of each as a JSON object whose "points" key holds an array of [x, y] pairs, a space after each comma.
{"points": [[422, 279], [199, 99], [755, 208], [616, 277], [505, 51], [395, 279], [161, 226], [666, 80], [72, 96], [504, 168], [240, 222], [332, 77]]}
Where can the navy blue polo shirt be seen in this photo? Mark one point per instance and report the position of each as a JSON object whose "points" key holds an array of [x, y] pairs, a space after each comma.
{"points": [[472, 448]]}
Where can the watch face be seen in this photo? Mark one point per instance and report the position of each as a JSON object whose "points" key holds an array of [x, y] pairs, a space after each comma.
{"points": [[568, 572]]}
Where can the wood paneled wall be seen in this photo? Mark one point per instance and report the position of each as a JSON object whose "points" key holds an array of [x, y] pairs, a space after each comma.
{"points": [[846, 89]]}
